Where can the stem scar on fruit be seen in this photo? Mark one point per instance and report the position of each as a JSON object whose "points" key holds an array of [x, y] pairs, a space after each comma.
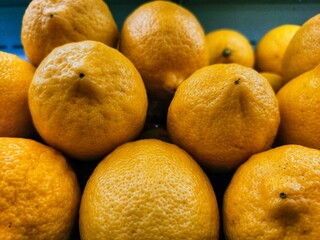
{"points": [[237, 81], [226, 52], [283, 195], [81, 75]]}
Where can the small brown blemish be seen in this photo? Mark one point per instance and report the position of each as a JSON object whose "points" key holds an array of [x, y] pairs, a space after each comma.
{"points": [[237, 81], [51, 15], [81, 75], [283, 195], [10, 224]]}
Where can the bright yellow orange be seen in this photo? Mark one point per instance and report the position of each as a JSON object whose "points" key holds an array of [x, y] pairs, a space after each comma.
{"points": [[148, 189], [299, 103], [39, 193], [303, 51], [275, 80], [166, 43], [86, 99], [275, 195], [48, 24], [222, 114], [15, 77], [271, 47], [229, 46]]}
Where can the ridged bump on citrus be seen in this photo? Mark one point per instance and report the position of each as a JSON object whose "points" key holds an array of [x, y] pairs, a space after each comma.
{"points": [[86, 99], [222, 114]]}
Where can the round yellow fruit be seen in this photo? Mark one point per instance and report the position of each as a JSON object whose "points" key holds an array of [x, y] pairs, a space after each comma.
{"points": [[299, 104], [148, 189], [15, 77], [222, 114], [272, 46], [303, 51], [48, 24], [275, 195], [86, 99], [39, 193], [166, 43], [229, 46]]}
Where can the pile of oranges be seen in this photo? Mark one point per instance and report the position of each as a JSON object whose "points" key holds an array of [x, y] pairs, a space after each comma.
{"points": [[159, 131]]}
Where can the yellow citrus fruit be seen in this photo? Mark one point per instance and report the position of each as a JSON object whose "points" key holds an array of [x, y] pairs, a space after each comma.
{"points": [[303, 51], [86, 99], [15, 77], [39, 192], [299, 104], [148, 189], [229, 46], [275, 195], [275, 80], [271, 47], [166, 43], [222, 114], [48, 24]]}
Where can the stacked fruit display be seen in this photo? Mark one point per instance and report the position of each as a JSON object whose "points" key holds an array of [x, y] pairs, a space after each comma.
{"points": [[160, 131]]}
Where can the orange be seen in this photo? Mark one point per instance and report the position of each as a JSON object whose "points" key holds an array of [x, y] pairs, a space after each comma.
{"points": [[48, 24], [303, 51], [271, 47], [86, 99], [275, 80], [148, 189], [166, 43], [299, 103], [39, 193], [275, 195], [222, 114], [15, 77], [229, 46]]}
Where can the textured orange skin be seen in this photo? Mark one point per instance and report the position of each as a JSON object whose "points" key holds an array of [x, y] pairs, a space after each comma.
{"points": [[275, 195], [272, 46], [303, 51], [48, 24], [86, 99], [166, 43], [299, 104], [39, 193], [148, 190], [241, 50], [222, 114], [15, 77]]}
